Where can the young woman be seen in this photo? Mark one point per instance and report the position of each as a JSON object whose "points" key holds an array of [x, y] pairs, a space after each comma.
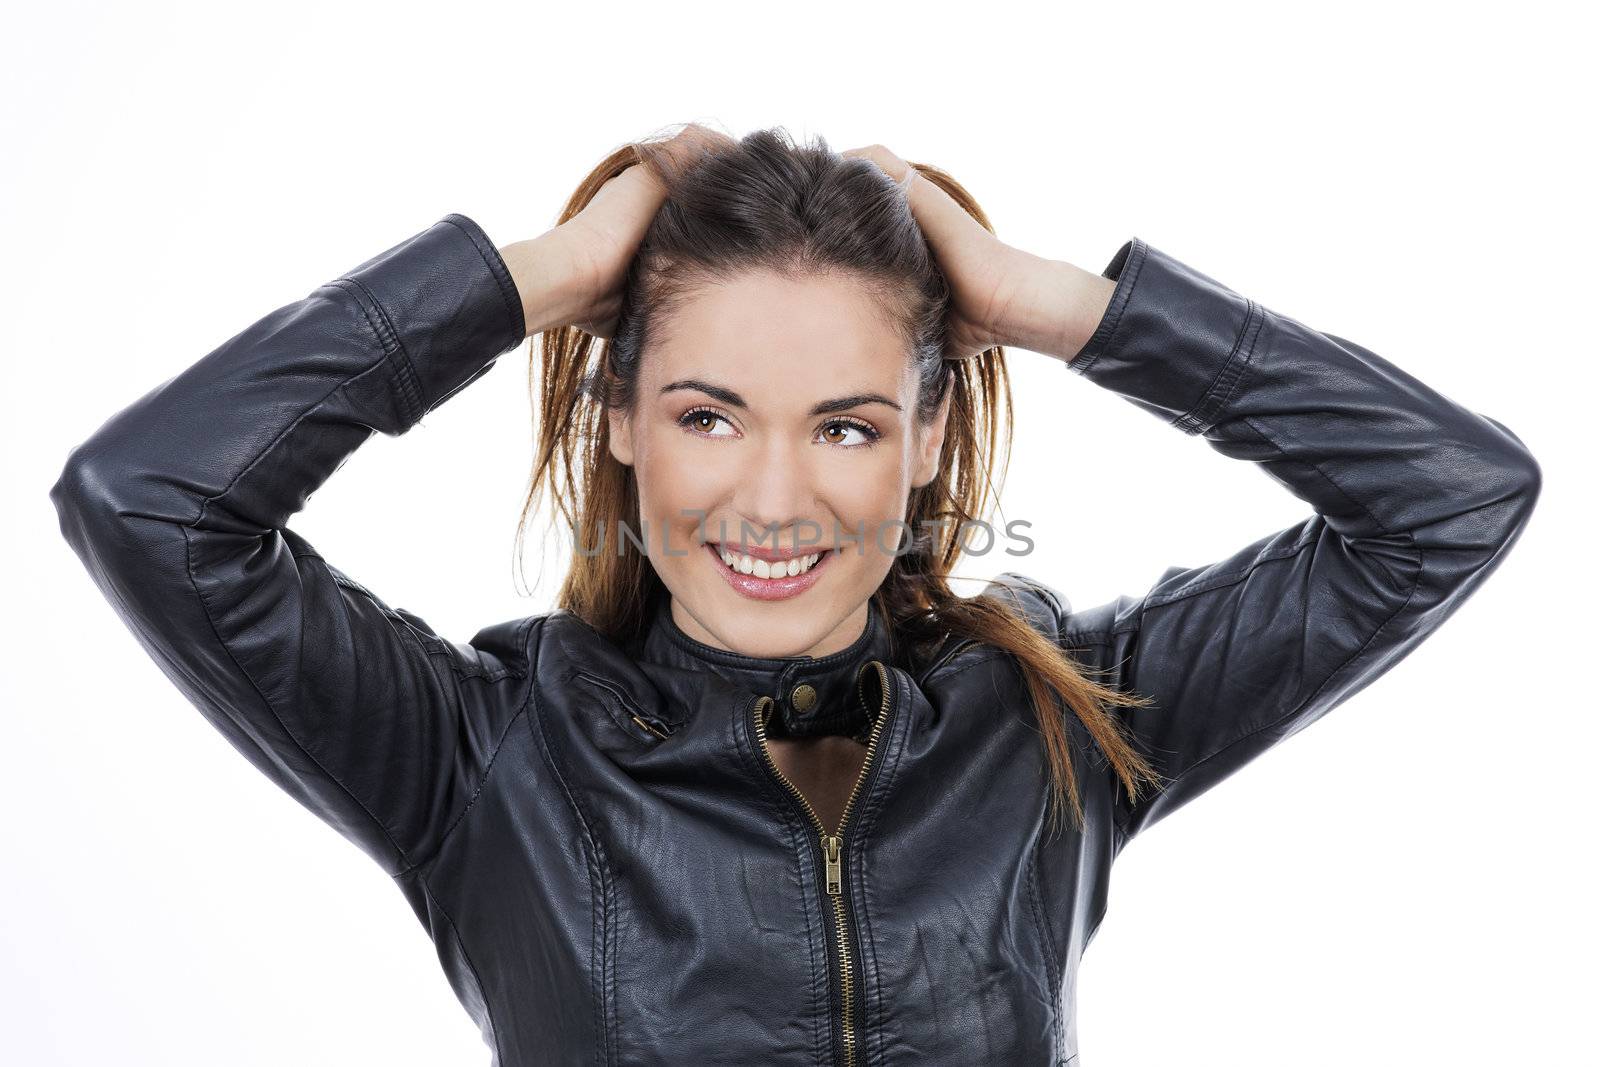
{"points": [[762, 789]]}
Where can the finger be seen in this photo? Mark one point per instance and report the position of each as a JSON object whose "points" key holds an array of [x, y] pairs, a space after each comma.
{"points": [[693, 141], [944, 222], [887, 161], [626, 203], [959, 352]]}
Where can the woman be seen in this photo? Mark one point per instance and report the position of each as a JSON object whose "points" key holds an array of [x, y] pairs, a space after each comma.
{"points": [[762, 789]]}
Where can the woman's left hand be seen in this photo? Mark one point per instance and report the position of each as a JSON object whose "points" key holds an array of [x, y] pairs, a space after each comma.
{"points": [[1000, 294]]}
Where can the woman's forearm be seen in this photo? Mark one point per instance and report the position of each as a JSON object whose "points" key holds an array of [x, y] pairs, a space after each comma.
{"points": [[546, 273], [1056, 307]]}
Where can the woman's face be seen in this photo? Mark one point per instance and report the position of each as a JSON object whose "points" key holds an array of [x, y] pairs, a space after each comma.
{"points": [[775, 418]]}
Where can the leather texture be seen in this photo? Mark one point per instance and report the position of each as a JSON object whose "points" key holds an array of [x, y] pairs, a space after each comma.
{"points": [[608, 865]]}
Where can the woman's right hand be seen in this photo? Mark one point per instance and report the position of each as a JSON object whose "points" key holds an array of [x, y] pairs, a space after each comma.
{"points": [[573, 274]]}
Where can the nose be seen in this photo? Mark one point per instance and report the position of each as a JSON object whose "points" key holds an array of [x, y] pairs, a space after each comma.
{"points": [[776, 496]]}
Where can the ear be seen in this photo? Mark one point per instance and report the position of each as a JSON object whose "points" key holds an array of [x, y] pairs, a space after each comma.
{"points": [[932, 442], [619, 436]]}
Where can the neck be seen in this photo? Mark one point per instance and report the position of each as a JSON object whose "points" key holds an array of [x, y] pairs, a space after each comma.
{"points": [[839, 638], [814, 693]]}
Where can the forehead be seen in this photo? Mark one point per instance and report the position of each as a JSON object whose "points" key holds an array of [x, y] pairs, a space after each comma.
{"points": [[827, 327]]}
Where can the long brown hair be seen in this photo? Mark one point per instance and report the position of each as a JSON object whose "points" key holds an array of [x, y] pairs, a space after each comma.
{"points": [[765, 202]]}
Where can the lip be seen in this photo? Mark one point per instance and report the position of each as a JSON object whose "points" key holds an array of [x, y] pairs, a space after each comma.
{"points": [[771, 555], [785, 588]]}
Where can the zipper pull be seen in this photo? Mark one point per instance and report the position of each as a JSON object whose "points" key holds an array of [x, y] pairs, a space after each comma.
{"points": [[831, 844]]}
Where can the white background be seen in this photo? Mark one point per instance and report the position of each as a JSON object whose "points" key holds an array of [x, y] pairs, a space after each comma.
{"points": [[1406, 882]]}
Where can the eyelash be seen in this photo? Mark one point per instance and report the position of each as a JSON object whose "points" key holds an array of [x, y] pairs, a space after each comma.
{"points": [[871, 432]]}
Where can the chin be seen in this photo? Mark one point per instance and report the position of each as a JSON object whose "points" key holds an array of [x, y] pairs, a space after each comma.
{"points": [[762, 627], [769, 630]]}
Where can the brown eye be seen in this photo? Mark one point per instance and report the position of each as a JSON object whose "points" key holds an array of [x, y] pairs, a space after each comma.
{"points": [[703, 421], [838, 432]]}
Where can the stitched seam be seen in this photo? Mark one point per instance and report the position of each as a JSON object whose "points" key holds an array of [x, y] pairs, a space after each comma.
{"points": [[477, 790], [267, 450], [608, 968], [438, 647], [608, 974], [431, 645], [188, 560], [1049, 594], [461, 669], [1235, 579], [1312, 463], [1035, 901], [960, 651], [1256, 322], [1194, 589], [1031, 884], [389, 339], [946, 653], [976, 660], [488, 1005], [494, 755], [496, 264], [596, 938], [383, 333], [1227, 377], [211, 619], [1416, 583], [594, 865]]}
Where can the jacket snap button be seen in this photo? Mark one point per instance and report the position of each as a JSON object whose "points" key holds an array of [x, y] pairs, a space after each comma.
{"points": [[803, 697]]}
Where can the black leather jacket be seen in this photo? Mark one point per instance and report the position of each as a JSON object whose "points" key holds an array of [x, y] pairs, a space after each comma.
{"points": [[595, 838]]}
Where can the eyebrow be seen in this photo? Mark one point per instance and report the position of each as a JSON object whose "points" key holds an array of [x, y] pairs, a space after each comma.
{"points": [[733, 399]]}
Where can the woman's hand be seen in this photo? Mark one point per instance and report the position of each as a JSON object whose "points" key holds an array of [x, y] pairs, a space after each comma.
{"points": [[1000, 295], [573, 274]]}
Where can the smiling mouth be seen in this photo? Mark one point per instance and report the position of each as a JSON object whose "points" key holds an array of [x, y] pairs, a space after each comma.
{"points": [[769, 569]]}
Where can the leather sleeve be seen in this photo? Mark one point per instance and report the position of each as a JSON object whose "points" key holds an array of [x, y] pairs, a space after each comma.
{"points": [[1416, 500], [178, 505]]}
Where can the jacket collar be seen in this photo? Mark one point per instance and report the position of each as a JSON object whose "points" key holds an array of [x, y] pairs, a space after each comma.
{"points": [[812, 695]]}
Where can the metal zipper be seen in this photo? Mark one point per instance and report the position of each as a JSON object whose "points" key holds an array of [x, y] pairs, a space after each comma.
{"points": [[833, 849], [650, 725]]}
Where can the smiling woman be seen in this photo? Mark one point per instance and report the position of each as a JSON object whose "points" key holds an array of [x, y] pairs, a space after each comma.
{"points": [[784, 472], [762, 788], [779, 378]]}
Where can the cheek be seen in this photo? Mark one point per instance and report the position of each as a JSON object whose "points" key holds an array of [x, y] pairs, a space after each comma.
{"points": [[873, 490], [868, 496], [673, 481]]}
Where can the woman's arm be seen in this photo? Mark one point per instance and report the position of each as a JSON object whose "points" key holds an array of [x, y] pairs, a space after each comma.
{"points": [[1416, 500], [178, 506]]}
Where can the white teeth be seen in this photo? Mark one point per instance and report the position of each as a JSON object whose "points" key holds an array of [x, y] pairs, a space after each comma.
{"points": [[763, 569]]}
